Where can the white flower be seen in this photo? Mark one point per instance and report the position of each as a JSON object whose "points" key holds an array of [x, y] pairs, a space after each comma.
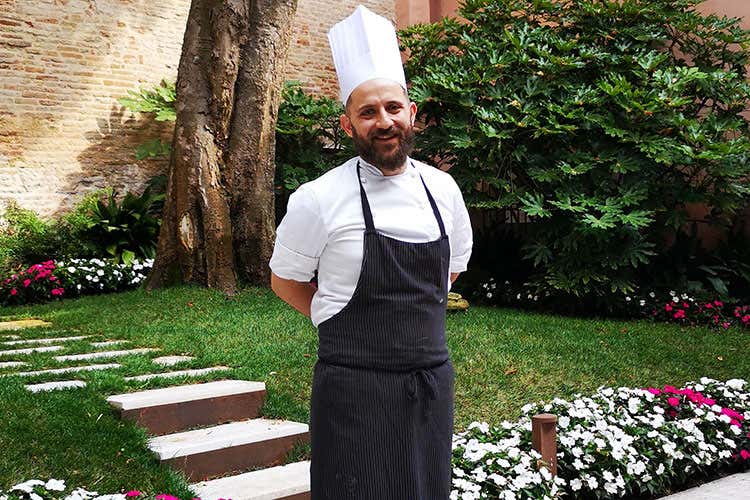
{"points": [[27, 486], [55, 485], [489, 295], [628, 299], [100, 272], [71, 269], [675, 299], [736, 384], [641, 302], [576, 484]]}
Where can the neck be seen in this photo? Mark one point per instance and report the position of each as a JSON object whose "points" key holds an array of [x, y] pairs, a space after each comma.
{"points": [[393, 171]]}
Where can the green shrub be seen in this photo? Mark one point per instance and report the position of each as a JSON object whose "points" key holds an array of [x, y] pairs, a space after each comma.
{"points": [[599, 119], [24, 237]]}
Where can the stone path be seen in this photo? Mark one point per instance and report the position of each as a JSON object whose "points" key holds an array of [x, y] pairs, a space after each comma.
{"points": [[230, 435], [734, 487]]}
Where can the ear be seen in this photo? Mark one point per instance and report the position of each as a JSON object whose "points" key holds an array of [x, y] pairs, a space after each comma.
{"points": [[346, 124], [413, 111]]}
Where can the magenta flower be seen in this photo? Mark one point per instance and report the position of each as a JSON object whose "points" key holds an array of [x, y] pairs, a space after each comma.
{"points": [[673, 401], [133, 493], [13, 291], [164, 496], [654, 391], [26, 283], [745, 454]]}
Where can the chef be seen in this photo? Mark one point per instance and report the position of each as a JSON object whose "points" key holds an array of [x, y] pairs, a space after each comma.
{"points": [[386, 235]]}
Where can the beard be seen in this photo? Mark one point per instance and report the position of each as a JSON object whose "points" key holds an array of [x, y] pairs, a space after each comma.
{"points": [[387, 157]]}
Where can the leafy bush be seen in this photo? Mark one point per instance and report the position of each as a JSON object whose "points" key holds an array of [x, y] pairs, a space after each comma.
{"points": [[309, 140], [126, 229], [24, 237], [598, 119], [38, 283]]}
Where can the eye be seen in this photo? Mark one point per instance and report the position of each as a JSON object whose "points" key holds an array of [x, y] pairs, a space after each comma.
{"points": [[367, 112], [394, 108]]}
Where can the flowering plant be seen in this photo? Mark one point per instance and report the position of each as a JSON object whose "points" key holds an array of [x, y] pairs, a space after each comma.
{"points": [[51, 280], [617, 443], [54, 489], [685, 309], [37, 283]]}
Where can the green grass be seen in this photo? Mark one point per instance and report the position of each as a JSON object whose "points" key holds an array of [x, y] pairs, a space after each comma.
{"points": [[503, 359]]}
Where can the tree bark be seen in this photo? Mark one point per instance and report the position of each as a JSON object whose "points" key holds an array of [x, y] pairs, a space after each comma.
{"points": [[218, 220]]}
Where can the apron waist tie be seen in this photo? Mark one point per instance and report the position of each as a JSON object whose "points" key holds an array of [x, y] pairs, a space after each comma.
{"points": [[427, 380]]}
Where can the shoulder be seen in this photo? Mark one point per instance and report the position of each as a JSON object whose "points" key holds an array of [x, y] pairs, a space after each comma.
{"points": [[330, 183], [437, 179]]}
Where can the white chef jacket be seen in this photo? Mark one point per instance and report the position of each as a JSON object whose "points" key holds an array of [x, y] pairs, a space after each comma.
{"points": [[323, 228]]}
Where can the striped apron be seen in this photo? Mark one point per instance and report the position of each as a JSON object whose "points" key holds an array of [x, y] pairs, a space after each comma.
{"points": [[381, 418]]}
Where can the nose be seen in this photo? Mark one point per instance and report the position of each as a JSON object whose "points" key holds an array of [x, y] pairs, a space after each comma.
{"points": [[384, 120]]}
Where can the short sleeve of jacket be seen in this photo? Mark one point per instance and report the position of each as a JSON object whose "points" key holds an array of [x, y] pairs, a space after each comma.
{"points": [[300, 238], [461, 237]]}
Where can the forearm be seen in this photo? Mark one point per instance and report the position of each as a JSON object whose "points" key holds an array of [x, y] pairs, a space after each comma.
{"points": [[295, 293]]}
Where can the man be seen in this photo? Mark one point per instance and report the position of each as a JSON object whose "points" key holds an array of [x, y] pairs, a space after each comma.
{"points": [[385, 234]]}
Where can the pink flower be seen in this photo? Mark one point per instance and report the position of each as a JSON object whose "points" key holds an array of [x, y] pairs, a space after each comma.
{"points": [[26, 283], [726, 324], [680, 314], [13, 291], [57, 291], [670, 389], [673, 401], [654, 391], [133, 493], [709, 402], [746, 318], [718, 303], [164, 496], [667, 307], [745, 454], [709, 305]]}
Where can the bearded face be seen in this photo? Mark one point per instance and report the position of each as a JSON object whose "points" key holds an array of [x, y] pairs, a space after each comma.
{"points": [[386, 149], [380, 119]]}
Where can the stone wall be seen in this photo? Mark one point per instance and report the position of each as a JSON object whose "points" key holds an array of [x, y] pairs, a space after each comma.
{"points": [[64, 63]]}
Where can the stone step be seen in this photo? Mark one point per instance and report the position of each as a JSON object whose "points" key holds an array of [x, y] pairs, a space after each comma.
{"points": [[31, 350], [45, 341], [103, 354], [52, 386], [173, 409], [283, 482], [22, 323], [178, 373], [212, 451], [56, 371]]}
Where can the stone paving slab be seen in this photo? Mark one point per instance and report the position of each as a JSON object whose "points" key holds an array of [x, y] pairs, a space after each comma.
{"points": [[183, 393], [734, 487], [104, 354], [52, 386], [108, 343], [178, 373], [11, 364], [171, 360], [31, 350], [22, 323], [44, 341], [72, 369]]}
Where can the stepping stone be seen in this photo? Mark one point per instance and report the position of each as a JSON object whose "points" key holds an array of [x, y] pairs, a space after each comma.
{"points": [[283, 482], [22, 323], [44, 341], [103, 354], [173, 409], [52, 386], [171, 360], [31, 350], [11, 364], [204, 453], [108, 343], [178, 373], [66, 370]]}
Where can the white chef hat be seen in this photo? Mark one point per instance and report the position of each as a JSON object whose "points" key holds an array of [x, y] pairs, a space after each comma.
{"points": [[364, 47]]}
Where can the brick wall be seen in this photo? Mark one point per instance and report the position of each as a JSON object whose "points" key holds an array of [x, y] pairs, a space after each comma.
{"points": [[63, 64]]}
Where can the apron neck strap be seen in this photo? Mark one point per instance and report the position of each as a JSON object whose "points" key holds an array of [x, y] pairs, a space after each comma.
{"points": [[370, 226]]}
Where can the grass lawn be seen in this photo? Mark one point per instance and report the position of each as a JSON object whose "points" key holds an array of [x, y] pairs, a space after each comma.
{"points": [[503, 359]]}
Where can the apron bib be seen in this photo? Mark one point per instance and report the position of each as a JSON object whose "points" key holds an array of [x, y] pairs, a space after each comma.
{"points": [[381, 416]]}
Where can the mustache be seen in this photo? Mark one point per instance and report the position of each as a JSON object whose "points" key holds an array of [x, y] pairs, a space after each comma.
{"points": [[389, 132]]}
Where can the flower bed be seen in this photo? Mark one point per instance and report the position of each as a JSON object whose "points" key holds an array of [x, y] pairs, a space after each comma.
{"points": [[69, 278], [54, 489], [617, 443]]}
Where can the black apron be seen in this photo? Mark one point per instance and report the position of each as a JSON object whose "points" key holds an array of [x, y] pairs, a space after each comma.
{"points": [[381, 417]]}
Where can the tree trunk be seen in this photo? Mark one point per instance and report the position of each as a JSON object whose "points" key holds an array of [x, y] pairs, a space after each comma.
{"points": [[218, 220]]}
